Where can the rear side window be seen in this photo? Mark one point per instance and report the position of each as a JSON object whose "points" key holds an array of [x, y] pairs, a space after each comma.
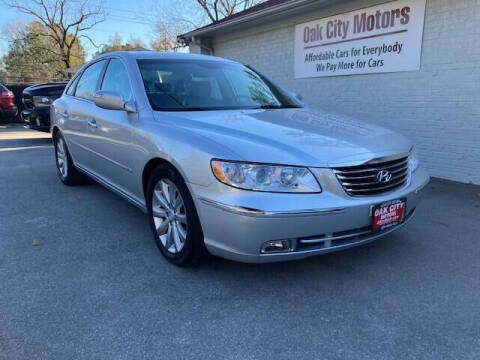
{"points": [[88, 81], [116, 79]]}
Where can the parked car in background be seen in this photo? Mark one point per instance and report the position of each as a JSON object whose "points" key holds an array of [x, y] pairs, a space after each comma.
{"points": [[8, 110], [37, 100], [221, 157]]}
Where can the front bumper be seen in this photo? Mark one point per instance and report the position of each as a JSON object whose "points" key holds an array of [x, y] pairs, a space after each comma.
{"points": [[9, 113], [237, 223], [36, 119]]}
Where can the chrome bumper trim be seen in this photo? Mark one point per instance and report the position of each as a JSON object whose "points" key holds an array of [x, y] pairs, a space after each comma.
{"points": [[421, 187], [245, 211], [330, 238], [331, 248]]}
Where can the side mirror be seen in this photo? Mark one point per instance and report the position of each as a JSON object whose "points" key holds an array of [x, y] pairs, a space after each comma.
{"points": [[112, 100]]}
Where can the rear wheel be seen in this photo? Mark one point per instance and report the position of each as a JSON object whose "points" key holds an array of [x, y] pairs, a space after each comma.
{"points": [[173, 218], [67, 172]]}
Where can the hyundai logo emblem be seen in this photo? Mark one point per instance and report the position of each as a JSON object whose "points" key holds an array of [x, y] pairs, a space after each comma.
{"points": [[384, 176]]}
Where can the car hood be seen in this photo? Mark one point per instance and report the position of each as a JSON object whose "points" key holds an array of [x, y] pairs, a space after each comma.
{"points": [[301, 137]]}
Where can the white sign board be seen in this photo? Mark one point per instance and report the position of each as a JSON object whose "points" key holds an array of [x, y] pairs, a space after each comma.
{"points": [[382, 38]]}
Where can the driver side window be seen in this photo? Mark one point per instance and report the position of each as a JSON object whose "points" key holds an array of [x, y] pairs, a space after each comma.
{"points": [[87, 84], [116, 79]]}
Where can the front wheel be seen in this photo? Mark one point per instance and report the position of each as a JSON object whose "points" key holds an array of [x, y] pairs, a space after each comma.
{"points": [[173, 218]]}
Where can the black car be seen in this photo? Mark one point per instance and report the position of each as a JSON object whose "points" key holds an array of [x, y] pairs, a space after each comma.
{"points": [[37, 100]]}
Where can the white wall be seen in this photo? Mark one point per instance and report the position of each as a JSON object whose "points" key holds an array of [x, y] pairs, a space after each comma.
{"points": [[438, 107]]}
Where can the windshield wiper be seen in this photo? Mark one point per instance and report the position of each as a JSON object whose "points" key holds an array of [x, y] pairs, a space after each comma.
{"points": [[170, 96], [267, 106]]}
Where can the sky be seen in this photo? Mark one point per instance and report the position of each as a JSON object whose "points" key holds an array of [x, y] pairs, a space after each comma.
{"points": [[128, 18]]}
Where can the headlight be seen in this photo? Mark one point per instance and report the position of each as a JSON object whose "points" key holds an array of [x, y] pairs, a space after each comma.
{"points": [[412, 160], [42, 101], [264, 177]]}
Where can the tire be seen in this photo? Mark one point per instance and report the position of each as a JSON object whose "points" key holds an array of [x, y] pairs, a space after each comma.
{"points": [[175, 228], [67, 172]]}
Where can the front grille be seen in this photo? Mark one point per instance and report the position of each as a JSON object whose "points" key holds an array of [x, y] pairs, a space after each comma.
{"points": [[28, 101], [362, 180]]}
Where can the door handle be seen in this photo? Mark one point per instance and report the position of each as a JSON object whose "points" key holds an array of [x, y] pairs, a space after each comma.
{"points": [[92, 123], [65, 114]]}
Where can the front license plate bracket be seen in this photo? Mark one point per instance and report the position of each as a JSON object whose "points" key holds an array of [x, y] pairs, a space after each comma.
{"points": [[388, 214]]}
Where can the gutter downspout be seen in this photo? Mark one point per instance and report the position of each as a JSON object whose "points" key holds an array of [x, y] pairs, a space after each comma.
{"points": [[199, 43], [193, 40]]}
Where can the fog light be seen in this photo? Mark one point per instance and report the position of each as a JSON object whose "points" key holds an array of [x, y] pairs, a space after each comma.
{"points": [[275, 246]]}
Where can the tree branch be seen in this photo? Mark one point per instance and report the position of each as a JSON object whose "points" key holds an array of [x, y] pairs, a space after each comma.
{"points": [[66, 20]]}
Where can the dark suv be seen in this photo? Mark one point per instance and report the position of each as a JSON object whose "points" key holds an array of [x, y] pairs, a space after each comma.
{"points": [[37, 100]]}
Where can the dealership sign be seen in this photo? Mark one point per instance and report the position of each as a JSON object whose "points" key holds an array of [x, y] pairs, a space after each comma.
{"points": [[383, 38]]}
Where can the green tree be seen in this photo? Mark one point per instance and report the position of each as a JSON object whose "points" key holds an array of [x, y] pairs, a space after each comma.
{"points": [[116, 43], [32, 56], [64, 22]]}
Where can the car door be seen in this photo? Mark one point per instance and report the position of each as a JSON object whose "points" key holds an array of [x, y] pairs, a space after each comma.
{"points": [[77, 112], [109, 131]]}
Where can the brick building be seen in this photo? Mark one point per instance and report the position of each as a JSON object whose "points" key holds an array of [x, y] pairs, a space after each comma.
{"points": [[435, 101]]}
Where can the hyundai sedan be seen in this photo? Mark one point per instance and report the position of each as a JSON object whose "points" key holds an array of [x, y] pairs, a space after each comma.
{"points": [[224, 160]]}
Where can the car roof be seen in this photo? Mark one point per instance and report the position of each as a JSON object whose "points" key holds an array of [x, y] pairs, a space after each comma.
{"points": [[135, 55]]}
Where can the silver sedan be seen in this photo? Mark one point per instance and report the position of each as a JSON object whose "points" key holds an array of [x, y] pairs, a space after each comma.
{"points": [[223, 159]]}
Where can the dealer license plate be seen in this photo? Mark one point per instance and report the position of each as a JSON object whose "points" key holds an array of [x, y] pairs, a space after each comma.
{"points": [[388, 214]]}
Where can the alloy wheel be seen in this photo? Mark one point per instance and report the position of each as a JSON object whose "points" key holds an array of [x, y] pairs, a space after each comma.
{"points": [[62, 158], [169, 216]]}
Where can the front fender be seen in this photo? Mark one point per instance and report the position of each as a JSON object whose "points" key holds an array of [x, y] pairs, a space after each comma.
{"points": [[189, 152]]}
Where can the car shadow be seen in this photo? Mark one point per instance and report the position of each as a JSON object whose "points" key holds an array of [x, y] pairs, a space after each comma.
{"points": [[133, 236], [349, 263], [342, 262]]}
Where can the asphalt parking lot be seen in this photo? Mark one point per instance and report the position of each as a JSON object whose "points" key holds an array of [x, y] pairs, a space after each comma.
{"points": [[95, 285]]}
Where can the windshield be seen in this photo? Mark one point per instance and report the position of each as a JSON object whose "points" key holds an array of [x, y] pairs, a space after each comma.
{"points": [[195, 85]]}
